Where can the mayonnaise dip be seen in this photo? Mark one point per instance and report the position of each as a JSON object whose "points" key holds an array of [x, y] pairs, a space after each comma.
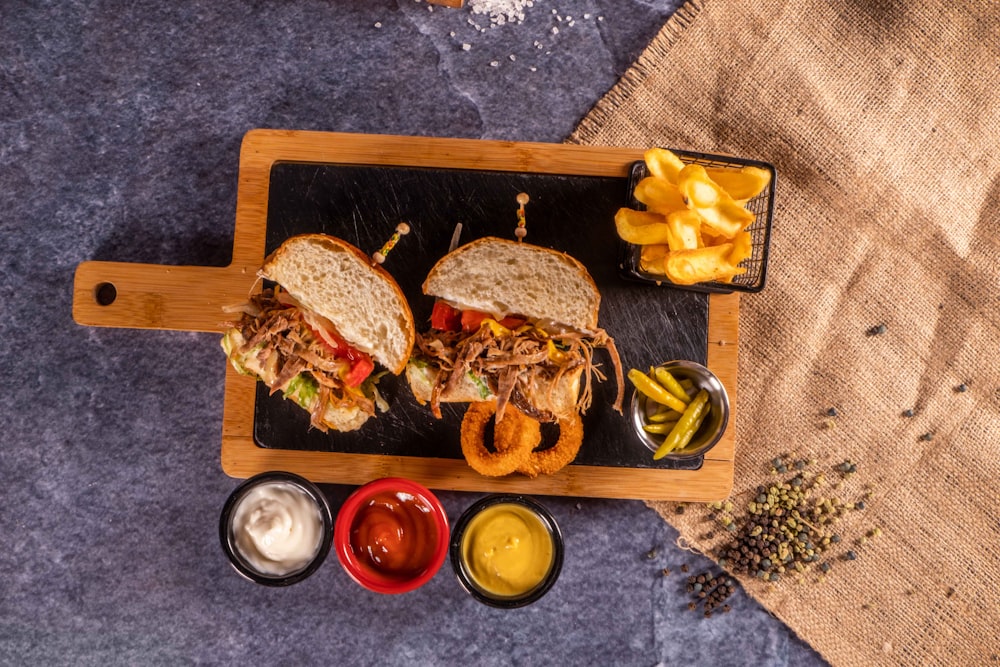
{"points": [[278, 528]]}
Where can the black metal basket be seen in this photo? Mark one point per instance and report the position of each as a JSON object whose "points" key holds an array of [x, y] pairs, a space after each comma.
{"points": [[762, 206]]}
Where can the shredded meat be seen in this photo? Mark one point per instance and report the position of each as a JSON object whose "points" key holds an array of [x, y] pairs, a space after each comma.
{"points": [[288, 345], [516, 365]]}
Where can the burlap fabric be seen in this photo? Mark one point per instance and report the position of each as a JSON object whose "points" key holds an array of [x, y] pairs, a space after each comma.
{"points": [[883, 120]]}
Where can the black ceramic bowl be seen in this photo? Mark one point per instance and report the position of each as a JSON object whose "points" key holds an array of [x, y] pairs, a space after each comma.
{"points": [[312, 500], [464, 573]]}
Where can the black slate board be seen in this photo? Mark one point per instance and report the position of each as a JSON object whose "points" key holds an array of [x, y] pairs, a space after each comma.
{"points": [[363, 205]]}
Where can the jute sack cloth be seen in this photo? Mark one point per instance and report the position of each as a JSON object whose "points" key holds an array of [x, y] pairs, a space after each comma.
{"points": [[883, 120]]}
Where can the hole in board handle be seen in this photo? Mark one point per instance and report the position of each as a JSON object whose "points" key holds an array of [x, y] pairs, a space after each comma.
{"points": [[105, 294]]}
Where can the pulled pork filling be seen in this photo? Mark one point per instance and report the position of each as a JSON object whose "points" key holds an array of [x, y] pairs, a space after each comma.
{"points": [[517, 364], [291, 355]]}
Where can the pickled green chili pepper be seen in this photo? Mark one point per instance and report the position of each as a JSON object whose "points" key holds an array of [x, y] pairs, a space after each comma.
{"points": [[686, 426], [651, 389], [659, 429], [670, 383]]}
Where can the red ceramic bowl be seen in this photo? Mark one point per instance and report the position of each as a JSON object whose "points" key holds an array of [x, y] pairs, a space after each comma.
{"points": [[391, 535]]}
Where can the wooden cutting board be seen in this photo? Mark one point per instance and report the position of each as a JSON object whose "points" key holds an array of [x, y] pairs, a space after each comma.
{"points": [[285, 186]]}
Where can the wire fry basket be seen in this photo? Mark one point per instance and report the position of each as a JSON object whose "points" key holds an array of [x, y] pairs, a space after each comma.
{"points": [[762, 206]]}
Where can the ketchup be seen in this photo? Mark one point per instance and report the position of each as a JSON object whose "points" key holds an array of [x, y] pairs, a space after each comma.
{"points": [[395, 534]]}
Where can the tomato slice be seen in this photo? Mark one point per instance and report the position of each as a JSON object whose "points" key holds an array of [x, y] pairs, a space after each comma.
{"points": [[360, 369], [360, 364], [445, 318], [512, 322], [472, 320]]}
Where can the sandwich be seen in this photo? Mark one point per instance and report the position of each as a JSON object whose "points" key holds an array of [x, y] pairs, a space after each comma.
{"points": [[513, 324], [318, 332]]}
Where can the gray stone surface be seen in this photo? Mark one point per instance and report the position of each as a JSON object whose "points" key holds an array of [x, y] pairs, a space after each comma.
{"points": [[120, 126]]}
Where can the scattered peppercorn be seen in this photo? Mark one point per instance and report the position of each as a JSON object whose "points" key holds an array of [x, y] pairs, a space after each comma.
{"points": [[785, 528], [684, 568], [908, 412], [962, 388], [651, 554], [927, 437], [832, 412], [877, 330], [710, 590]]}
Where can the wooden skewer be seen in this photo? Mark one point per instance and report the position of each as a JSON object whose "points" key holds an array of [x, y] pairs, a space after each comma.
{"points": [[521, 231], [402, 229]]}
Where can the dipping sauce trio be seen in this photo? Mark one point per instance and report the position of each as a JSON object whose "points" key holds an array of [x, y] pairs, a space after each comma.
{"points": [[391, 536]]}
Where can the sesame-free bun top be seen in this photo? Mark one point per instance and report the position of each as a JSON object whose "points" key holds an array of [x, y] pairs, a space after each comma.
{"points": [[341, 283], [504, 277]]}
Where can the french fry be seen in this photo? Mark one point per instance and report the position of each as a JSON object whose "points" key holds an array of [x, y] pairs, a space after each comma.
{"points": [[651, 258], [685, 230], [663, 163], [741, 184], [716, 207], [727, 218], [659, 195], [742, 248], [711, 263], [642, 227]]}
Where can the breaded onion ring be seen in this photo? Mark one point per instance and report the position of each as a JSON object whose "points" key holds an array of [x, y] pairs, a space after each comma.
{"points": [[555, 458], [514, 437]]}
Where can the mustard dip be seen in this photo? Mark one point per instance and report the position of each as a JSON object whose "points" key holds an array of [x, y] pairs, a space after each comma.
{"points": [[507, 550]]}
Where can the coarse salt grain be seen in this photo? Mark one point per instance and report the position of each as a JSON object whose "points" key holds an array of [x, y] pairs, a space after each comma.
{"points": [[501, 12]]}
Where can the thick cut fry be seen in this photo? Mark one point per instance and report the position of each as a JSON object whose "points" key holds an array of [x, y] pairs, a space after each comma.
{"points": [[659, 195], [727, 218], [698, 190], [685, 230], [740, 184], [651, 258], [687, 267], [641, 227], [663, 163], [635, 218], [742, 247], [717, 209]]}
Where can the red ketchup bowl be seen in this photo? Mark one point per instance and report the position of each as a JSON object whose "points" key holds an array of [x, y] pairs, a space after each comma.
{"points": [[391, 535]]}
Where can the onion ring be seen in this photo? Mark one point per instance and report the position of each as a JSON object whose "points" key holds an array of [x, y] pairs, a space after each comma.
{"points": [[555, 458], [514, 437]]}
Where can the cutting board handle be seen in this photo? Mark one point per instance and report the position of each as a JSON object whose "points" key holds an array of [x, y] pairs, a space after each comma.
{"points": [[153, 296]]}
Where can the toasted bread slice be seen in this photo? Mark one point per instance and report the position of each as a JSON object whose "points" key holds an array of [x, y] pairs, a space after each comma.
{"points": [[341, 283], [504, 277]]}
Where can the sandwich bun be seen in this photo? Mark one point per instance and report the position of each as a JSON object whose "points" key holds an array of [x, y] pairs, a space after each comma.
{"points": [[341, 283], [503, 277]]}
